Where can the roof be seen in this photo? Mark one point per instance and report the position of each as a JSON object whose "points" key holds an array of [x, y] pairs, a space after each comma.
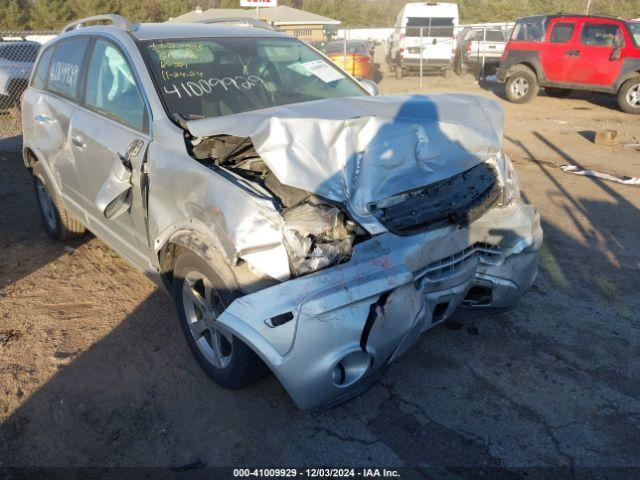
{"points": [[575, 15], [281, 15], [157, 31]]}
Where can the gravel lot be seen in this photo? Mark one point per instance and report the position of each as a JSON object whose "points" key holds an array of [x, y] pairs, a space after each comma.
{"points": [[94, 370]]}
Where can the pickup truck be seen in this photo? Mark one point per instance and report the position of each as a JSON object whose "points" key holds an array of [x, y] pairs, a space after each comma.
{"points": [[475, 44]]}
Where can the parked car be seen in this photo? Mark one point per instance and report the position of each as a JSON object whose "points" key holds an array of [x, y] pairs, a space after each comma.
{"points": [[302, 225], [16, 61], [479, 47], [423, 30], [353, 56], [562, 53]]}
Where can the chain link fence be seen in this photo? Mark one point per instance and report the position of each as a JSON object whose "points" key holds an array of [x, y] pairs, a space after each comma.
{"points": [[413, 52], [18, 52]]}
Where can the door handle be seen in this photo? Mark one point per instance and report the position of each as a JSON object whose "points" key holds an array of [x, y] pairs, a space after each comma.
{"points": [[78, 142], [43, 119], [573, 53]]}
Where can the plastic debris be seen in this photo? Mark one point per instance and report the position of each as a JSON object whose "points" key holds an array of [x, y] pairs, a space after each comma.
{"points": [[625, 180]]}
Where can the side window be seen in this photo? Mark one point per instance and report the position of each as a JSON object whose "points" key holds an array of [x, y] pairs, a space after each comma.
{"points": [[40, 75], [529, 30], [599, 34], [66, 67], [562, 32], [111, 87]]}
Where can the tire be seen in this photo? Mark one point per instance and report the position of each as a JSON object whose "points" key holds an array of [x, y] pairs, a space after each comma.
{"points": [[57, 221], [629, 96], [557, 92], [221, 355], [521, 85]]}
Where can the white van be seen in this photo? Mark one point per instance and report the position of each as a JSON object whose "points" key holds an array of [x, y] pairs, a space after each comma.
{"points": [[437, 22]]}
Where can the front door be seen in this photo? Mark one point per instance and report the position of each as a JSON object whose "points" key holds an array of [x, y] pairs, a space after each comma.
{"points": [[559, 53], [109, 140]]}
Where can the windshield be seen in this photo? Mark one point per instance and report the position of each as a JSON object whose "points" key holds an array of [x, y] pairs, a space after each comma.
{"points": [[200, 78], [634, 28]]}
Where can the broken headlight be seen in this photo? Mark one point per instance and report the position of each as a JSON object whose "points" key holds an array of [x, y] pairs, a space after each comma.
{"points": [[316, 236], [509, 179]]}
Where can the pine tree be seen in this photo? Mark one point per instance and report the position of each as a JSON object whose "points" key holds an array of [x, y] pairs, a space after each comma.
{"points": [[14, 15], [50, 14]]}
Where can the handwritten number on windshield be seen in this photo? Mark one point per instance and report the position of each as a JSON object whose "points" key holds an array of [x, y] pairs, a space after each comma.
{"points": [[205, 86]]}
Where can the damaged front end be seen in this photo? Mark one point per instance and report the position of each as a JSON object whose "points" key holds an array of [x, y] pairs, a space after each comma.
{"points": [[376, 218]]}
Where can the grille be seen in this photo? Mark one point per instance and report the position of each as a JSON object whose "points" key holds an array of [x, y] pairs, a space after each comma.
{"points": [[457, 200], [449, 265]]}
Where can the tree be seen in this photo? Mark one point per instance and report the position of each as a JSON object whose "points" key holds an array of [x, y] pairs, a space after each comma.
{"points": [[50, 14], [14, 15]]}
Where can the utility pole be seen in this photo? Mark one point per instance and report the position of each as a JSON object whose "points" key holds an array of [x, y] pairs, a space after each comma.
{"points": [[588, 7]]}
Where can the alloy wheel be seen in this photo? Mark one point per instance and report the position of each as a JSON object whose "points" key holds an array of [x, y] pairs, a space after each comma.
{"points": [[202, 306], [633, 96], [520, 87]]}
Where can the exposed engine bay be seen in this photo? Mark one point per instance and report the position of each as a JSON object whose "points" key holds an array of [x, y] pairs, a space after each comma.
{"points": [[316, 233]]}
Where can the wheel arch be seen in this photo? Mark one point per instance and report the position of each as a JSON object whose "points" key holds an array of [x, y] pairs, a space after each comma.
{"points": [[527, 64], [627, 76], [193, 236]]}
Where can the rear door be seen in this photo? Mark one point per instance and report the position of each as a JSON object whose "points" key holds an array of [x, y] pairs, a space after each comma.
{"points": [[559, 53], [109, 139], [47, 117], [433, 34], [595, 63]]}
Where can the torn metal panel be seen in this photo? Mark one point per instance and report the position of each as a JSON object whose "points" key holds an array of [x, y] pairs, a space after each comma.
{"points": [[239, 222], [362, 150]]}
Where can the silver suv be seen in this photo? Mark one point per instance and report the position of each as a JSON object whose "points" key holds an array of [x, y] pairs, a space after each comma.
{"points": [[302, 225]]}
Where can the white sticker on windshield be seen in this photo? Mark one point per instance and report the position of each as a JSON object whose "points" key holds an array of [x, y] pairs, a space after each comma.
{"points": [[323, 71]]}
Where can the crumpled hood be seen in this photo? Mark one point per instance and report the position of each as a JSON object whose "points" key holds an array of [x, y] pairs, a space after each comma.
{"points": [[359, 150]]}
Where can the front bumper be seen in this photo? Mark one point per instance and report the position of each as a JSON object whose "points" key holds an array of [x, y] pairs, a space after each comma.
{"points": [[348, 322]]}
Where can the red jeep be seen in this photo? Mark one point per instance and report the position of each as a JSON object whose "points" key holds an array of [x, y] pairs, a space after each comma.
{"points": [[573, 52]]}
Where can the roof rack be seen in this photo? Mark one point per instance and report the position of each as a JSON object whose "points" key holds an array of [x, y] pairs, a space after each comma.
{"points": [[243, 20], [117, 20]]}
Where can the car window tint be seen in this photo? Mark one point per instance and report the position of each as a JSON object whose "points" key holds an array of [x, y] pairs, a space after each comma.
{"points": [[561, 32], [66, 67], [431, 27], [529, 30], [111, 87], [602, 34], [40, 76], [495, 36]]}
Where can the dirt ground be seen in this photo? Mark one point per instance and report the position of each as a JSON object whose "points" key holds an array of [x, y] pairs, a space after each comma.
{"points": [[94, 370]]}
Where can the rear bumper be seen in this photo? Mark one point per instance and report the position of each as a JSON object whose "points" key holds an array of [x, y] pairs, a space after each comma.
{"points": [[350, 321], [427, 63]]}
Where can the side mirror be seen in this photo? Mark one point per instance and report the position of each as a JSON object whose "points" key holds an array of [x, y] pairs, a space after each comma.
{"points": [[370, 86], [114, 197]]}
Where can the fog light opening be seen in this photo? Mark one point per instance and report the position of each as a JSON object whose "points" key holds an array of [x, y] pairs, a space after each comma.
{"points": [[439, 312], [479, 295], [351, 368], [337, 375]]}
